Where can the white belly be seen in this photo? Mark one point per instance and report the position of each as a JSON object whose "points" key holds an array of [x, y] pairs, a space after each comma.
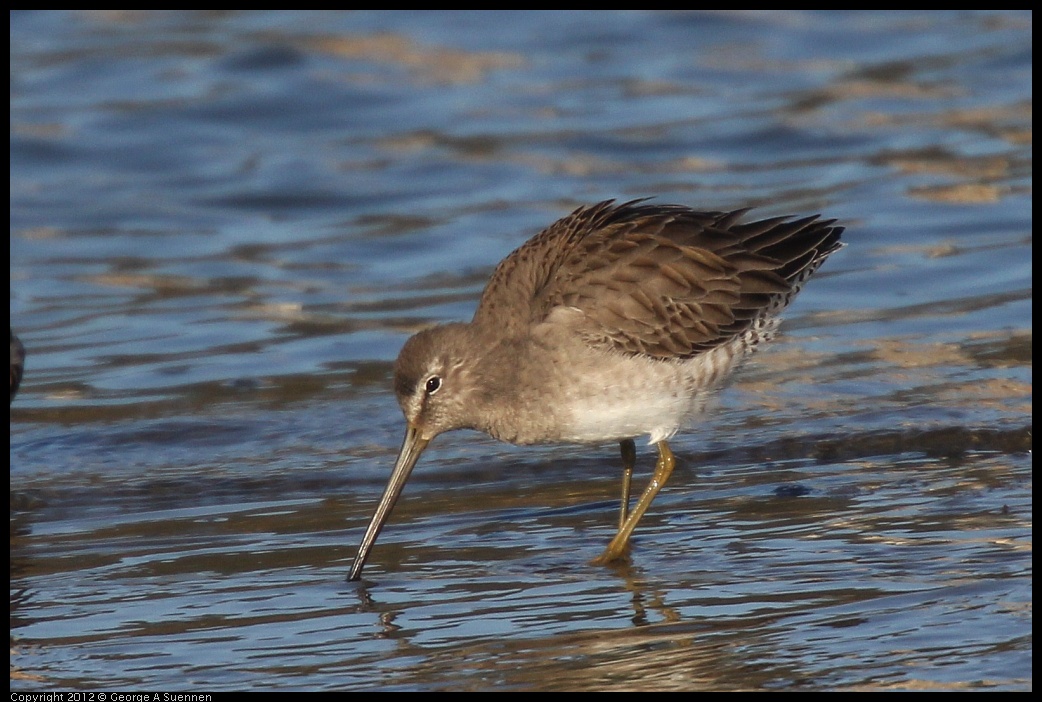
{"points": [[631, 398]]}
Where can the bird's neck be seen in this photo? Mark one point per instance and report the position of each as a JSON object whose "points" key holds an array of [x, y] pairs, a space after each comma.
{"points": [[505, 405]]}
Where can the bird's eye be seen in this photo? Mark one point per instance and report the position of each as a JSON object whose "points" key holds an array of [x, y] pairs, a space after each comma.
{"points": [[433, 383]]}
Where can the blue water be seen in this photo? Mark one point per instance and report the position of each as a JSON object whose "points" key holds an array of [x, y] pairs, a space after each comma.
{"points": [[225, 224]]}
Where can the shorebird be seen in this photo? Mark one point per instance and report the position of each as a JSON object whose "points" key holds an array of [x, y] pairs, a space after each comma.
{"points": [[615, 322]]}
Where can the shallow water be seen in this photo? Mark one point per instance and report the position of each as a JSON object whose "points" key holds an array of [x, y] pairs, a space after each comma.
{"points": [[225, 224]]}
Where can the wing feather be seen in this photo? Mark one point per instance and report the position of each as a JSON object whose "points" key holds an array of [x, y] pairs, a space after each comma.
{"points": [[660, 280]]}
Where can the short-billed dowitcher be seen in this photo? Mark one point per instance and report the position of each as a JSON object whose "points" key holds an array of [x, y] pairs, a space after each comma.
{"points": [[616, 321]]}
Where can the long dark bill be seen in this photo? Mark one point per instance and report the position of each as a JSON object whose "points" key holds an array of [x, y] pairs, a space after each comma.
{"points": [[412, 447]]}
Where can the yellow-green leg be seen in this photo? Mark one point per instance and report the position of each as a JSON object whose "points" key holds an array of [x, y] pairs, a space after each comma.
{"points": [[663, 469], [629, 459]]}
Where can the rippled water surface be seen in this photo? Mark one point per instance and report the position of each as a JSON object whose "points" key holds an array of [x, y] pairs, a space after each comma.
{"points": [[225, 224]]}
